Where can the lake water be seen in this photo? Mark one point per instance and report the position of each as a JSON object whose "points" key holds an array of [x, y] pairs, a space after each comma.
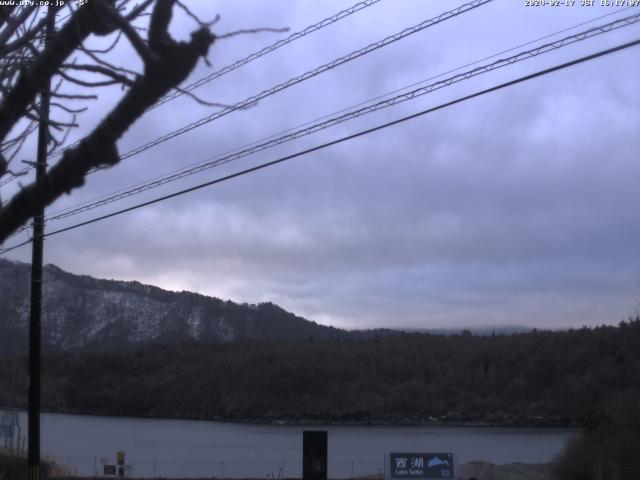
{"points": [[190, 448]]}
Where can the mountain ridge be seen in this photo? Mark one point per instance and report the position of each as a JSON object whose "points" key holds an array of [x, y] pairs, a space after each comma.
{"points": [[80, 311]]}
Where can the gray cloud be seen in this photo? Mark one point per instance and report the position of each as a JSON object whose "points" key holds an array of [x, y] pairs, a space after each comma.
{"points": [[517, 207]]}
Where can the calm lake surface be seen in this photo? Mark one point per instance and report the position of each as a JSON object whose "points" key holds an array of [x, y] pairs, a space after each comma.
{"points": [[191, 448]]}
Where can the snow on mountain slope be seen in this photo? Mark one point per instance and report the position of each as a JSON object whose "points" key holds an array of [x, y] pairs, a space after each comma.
{"points": [[80, 311]]}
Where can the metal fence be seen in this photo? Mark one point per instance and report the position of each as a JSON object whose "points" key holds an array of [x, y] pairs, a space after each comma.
{"points": [[353, 470], [216, 468]]}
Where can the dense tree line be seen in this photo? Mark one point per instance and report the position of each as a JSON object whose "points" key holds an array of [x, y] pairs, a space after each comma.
{"points": [[609, 444], [541, 377]]}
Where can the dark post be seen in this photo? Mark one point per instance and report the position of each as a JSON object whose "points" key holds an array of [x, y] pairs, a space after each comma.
{"points": [[314, 455], [120, 457], [33, 459]]}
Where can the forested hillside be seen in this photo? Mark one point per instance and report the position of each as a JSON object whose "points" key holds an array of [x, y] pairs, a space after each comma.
{"points": [[533, 378], [82, 312]]}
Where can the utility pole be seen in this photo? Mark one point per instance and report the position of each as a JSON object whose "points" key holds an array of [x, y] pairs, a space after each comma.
{"points": [[33, 460]]}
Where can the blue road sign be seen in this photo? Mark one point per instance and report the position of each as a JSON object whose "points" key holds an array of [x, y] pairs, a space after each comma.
{"points": [[422, 466]]}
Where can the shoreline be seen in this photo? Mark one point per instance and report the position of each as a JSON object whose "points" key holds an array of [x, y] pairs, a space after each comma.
{"points": [[399, 422]]}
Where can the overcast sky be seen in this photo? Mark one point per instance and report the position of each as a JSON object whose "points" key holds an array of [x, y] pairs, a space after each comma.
{"points": [[518, 207]]}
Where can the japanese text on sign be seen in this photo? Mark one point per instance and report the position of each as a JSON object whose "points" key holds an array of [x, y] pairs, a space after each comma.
{"points": [[424, 466]]}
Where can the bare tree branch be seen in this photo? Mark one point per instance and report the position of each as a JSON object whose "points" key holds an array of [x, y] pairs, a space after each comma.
{"points": [[52, 123], [115, 76], [17, 147], [138, 10], [159, 38], [64, 136], [195, 17], [14, 23], [250, 30], [74, 96], [170, 65], [104, 63], [212, 104], [85, 83], [136, 41], [67, 109], [25, 38], [109, 48], [33, 79], [5, 13], [55, 143]]}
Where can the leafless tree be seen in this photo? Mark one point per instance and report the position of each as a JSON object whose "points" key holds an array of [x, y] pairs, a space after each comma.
{"points": [[28, 64]]}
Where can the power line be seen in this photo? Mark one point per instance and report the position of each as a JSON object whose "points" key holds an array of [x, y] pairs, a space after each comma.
{"points": [[346, 109], [238, 154], [314, 128], [14, 176], [250, 101], [8, 249], [307, 130], [318, 70], [240, 63], [268, 49], [345, 138]]}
